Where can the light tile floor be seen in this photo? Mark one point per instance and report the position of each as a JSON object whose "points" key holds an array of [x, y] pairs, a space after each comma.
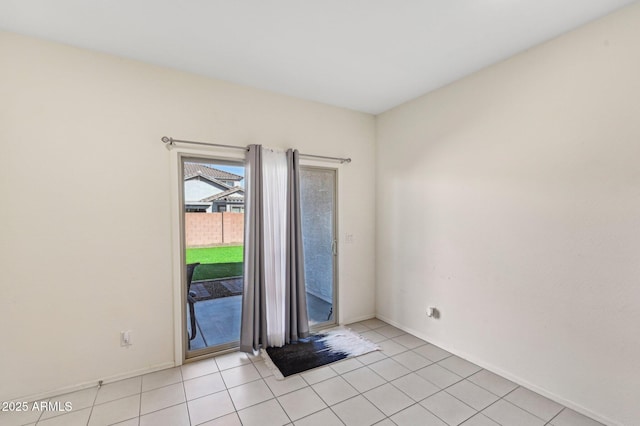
{"points": [[408, 382]]}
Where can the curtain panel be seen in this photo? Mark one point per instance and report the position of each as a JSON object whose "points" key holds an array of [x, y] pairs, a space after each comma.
{"points": [[297, 318], [274, 307]]}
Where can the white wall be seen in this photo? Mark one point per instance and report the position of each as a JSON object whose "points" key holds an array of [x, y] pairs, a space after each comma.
{"points": [[80, 134], [524, 219]]}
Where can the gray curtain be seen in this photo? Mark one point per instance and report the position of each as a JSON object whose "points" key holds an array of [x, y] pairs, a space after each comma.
{"points": [[253, 327], [296, 317]]}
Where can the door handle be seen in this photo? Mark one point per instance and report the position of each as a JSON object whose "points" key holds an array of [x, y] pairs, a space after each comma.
{"points": [[334, 247]]}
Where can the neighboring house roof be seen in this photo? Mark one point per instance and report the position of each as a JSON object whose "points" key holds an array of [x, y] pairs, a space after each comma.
{"points": [[213, 180], [235, 194], [210, 180], [194, 169]]}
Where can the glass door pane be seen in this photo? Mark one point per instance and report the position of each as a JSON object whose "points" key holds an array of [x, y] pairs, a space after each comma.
{"points": [[213, 218], [318, 206]]}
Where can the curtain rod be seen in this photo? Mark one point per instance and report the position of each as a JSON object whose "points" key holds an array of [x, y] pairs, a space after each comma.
{"points": [[169, 141]]}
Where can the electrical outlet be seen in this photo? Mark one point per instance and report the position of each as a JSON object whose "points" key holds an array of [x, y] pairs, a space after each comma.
{"points": [[432, 312], [125, 338]]}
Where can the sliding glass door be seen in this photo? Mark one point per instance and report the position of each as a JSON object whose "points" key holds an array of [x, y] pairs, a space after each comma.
{"points": [[318, 208], [213, 241]]}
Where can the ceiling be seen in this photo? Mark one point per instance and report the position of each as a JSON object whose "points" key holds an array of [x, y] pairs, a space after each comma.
{"points": [[366, 55]]}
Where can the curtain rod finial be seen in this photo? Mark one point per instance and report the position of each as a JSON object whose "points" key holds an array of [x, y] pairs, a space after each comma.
{"points": [[168, 142]]}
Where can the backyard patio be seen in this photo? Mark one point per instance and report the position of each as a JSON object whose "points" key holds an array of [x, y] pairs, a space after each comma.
{"points": [[217, 288], [218, 318]]}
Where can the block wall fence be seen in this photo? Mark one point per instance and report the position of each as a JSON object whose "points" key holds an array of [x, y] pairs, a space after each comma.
{"points": [[209, 229]]}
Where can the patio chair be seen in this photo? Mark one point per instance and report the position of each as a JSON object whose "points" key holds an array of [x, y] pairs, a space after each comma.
{"points": [[191, 300]]}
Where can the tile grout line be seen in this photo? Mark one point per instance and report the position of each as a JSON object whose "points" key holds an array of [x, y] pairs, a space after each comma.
{"points": [[95, 398], [440, 389], [226, 389], [42, 412], [527, 411], [347, 399], [186, 401], [385, 414], [453, 396], [318, 395], [252, 363], [502, 398], [551, 419], [387, 381], [491, 418]]}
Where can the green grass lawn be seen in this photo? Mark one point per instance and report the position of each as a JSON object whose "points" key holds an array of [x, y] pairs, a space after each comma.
{"points": [[216, 262], [224, 254]]}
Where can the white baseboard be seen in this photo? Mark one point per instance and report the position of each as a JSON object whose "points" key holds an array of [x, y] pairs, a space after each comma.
{"points": [[356, 319], [507, 375], [93, 383]]}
